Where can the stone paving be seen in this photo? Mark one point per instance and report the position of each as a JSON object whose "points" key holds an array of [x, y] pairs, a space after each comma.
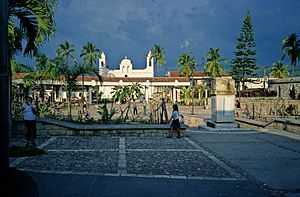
{"points": [[269, 159], [140, 157]]}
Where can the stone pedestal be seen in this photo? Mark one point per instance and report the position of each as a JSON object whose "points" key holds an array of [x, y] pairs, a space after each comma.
{"points": [[223, 103]]}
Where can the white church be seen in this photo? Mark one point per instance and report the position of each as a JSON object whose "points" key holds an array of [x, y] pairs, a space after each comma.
{"points": [[168, 87], [126, 68]]}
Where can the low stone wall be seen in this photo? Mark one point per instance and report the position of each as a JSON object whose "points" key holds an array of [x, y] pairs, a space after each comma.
{"points": [[265, 109], [279, 123], [52, 127]]}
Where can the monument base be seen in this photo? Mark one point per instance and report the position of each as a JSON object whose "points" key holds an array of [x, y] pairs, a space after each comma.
{"points": [[222, 125]]}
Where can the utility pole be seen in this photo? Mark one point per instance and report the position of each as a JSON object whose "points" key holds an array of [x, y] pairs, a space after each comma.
{"points": [[5, 123]]}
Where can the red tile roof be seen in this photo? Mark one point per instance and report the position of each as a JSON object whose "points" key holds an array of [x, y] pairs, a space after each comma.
{"points": [[124, 79], [196, 74]]}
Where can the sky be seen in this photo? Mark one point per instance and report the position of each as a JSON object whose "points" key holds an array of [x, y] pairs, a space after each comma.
{"points": [[130, 28]]}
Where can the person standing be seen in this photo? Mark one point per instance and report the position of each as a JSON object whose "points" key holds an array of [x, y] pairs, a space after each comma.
{"points": [[164, 113], [237, 108], [175, 125], [144, 106], [135, 111], [30, 113]]}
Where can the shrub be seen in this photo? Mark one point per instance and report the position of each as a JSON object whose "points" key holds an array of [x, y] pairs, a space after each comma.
{"points": [[20, 151]]}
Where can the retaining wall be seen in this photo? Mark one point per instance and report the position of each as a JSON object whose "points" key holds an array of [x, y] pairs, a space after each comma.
{"points": [[279, 123], [52, 127]]}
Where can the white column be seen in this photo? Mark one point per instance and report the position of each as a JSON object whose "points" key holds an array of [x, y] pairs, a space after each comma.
{"points": [[206, 100], [90, 95], [174, 95]]}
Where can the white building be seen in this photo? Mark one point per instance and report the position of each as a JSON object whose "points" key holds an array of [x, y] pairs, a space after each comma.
{"points": [[126, 68], [168, 87]]}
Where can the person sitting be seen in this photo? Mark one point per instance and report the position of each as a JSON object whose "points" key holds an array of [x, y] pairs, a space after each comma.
{"points": [[181, 121]]}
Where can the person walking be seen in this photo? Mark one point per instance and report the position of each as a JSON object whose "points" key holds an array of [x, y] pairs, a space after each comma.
{"points": [[175, 125], [30, 114]]}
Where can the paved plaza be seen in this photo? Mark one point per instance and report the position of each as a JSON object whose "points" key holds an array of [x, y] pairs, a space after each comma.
{"points": [[206, 163]]}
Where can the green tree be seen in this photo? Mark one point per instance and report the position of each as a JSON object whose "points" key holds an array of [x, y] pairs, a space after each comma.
{"points": [[66, 50], [213, 63], [186, 94], [244, 64], [279, 70], [124, 94], [291, 47], [90, 52], [41, 73], [70, 74], [187, 64], [159, 54], [52, 74], [19, 67], [32, 21], [135, 91]]}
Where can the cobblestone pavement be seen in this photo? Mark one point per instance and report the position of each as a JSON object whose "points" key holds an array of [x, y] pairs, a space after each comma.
{"points": [[139, 157], [268, 159]]}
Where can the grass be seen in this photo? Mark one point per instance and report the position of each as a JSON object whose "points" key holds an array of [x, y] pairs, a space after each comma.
{"points": [[21, 151]]}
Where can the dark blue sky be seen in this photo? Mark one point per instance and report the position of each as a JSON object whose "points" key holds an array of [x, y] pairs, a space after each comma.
{"points": [[129, 28]]}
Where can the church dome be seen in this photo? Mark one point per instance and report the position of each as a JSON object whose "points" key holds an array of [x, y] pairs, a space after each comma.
{"points": [[126, 62]]}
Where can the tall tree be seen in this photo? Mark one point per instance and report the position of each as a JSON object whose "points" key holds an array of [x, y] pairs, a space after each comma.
{"points": [[213, 63], [90, 52], [66, 50], [279, 70], [187, 64], [244, 64], [159, 54], [70, 74], [291, 47], [36, 24]]}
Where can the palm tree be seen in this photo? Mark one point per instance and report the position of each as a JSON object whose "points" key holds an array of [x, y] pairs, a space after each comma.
{"points": [[66, 50], [36, 24], [41, 73], [159, 54], [52, 74], [135, 91], [279, 70], [90, 53], [188, 67], [213, 63], [291, 47], [19, 67], [187, 64], [70, 75], [186, 93]]}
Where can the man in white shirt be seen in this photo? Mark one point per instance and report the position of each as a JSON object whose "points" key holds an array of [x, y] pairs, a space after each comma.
{"points": [[30, 112]]}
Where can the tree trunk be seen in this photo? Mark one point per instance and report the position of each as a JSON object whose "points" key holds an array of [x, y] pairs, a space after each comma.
{"points": [[69, 105]]}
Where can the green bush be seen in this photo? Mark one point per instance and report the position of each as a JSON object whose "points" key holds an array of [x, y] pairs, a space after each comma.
{"points": [[20, 151]]}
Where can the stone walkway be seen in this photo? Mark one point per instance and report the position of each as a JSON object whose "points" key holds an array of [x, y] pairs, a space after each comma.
{"points": [[271, 161], [134, 157]]}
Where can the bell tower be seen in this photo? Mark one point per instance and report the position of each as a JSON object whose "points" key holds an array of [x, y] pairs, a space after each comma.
{"points": [[102, 65], [150, 64]]}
